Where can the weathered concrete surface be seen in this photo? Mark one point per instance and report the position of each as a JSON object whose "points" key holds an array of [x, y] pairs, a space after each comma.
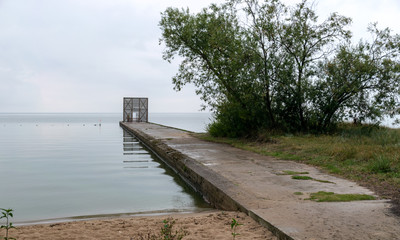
{"points": [[236, 179]]}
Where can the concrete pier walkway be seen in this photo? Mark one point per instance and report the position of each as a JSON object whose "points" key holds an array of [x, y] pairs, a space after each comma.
{"points": [[235, 179]]}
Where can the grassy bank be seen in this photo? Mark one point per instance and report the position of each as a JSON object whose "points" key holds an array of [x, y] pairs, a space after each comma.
{"points": [[369, 155]]}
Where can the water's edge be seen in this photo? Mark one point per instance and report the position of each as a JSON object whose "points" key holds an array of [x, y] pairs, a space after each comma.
{"points": [[109, 216]]}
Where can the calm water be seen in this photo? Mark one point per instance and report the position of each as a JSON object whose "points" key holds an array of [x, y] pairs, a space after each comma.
{"points": [[195, 122], [65, 165]]}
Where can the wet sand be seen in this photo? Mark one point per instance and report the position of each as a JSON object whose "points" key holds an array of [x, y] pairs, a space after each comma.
{"points": [[212, 224]]}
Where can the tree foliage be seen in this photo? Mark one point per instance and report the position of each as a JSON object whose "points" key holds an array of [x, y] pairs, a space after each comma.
{"points": [[264, 65]]}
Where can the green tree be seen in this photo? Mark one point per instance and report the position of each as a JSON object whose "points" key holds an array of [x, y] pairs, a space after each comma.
{"points": [[360, 82], [265, 65], [217, 57]]}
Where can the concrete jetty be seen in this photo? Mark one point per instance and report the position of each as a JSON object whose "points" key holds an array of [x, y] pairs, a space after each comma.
{"points": [[234, 179]]}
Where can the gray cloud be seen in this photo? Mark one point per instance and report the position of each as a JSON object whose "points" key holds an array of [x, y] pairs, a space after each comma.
{"points": [[84, 56]]}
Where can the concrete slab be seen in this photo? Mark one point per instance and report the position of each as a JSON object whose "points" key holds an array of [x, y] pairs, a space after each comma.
{"points": [[256, 185]]}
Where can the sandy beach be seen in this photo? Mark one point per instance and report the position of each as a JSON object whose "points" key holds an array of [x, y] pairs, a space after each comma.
{"points": [[212, 224]]}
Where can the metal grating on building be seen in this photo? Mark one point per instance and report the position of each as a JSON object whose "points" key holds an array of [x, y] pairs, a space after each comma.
{"points": [[136, 109]]}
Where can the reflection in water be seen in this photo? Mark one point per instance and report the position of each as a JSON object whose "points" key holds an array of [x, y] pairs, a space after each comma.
{"points": [[140, 157], [136, 156], [137, 153]]}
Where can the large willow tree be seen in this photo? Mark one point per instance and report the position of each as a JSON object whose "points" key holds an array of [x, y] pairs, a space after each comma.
{"points": [[263, 65]]}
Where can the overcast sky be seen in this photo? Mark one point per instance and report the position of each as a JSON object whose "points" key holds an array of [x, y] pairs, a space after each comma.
{"points": [[86, 55]]}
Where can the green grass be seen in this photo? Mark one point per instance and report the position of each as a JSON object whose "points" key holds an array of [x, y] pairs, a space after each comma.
{"points": [[367, 154], [298, 193], [334, 197], [302, 177], [292, 173], [380, 164], [296, 177], [323, 181]]}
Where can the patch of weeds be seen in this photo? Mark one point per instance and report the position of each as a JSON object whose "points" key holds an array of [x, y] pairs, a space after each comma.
{"points": [[323, 196], [287, 172], [302, 177], [234, 225], [380, 164], [7, 214], [333, 169], [298, 193], [346, 152], [166, 232]]}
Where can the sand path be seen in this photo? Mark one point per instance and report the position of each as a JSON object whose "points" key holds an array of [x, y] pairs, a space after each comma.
{"points": [[204, 225]]}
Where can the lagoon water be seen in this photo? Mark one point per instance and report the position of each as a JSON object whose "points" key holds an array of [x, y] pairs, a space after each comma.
{"points": [[57, 166]]}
